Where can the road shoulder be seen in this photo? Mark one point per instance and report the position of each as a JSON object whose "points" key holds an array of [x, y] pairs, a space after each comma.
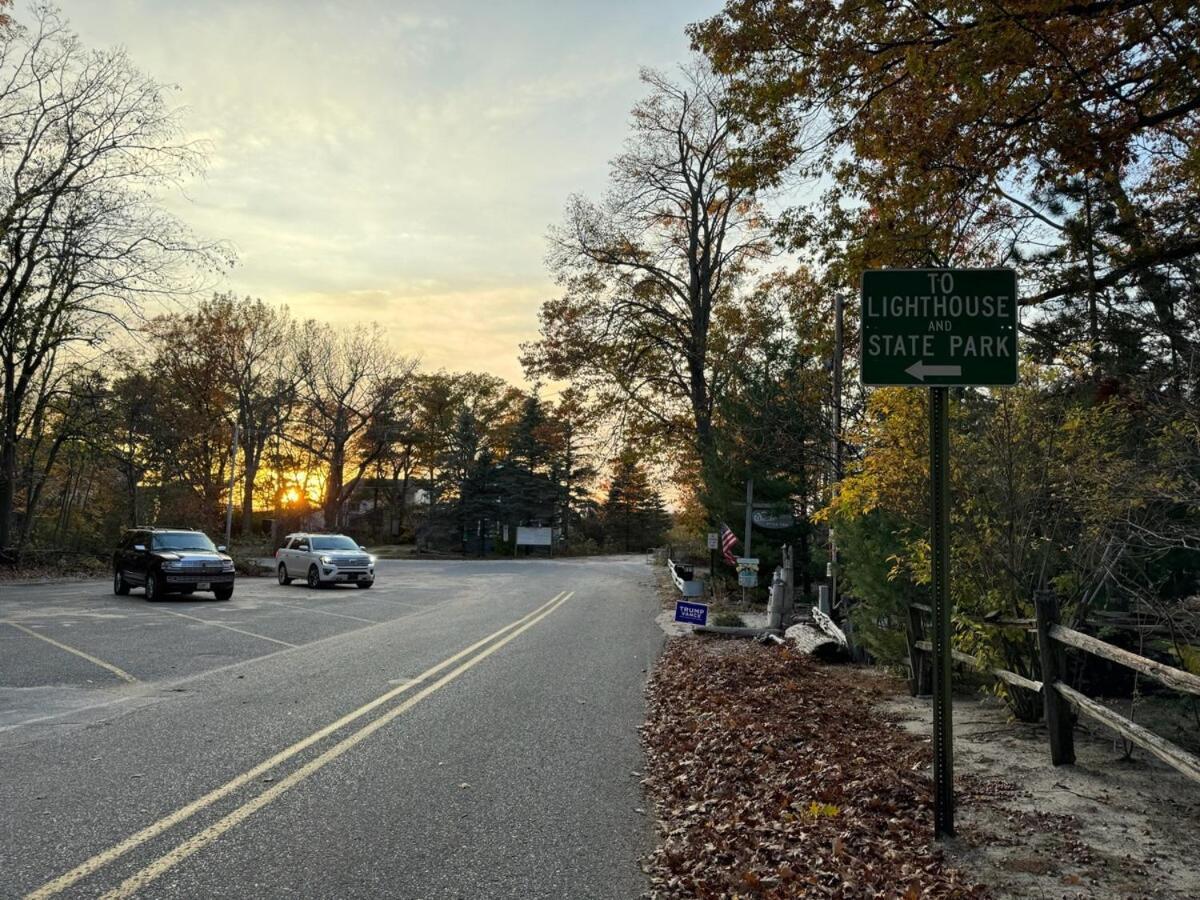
{"points": [[776, 776]]}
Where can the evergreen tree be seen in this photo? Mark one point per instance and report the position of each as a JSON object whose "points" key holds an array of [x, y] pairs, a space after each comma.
{"points": [[634, 515], [529, 493]]}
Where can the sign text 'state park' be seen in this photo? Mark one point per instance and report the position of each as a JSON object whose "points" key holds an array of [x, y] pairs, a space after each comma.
{"points": [[936, 327]]}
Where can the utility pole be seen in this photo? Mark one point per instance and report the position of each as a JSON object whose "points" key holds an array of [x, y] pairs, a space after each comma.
{"points": [[232, 474], [712, 556], [749, 512], [749, 524]]}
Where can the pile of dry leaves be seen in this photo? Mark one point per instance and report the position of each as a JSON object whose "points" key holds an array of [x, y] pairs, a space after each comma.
{"points": [[773, 778]]}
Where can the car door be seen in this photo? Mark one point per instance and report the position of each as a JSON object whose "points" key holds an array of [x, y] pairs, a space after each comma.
{"points": [[291, 557], [139, 556], [122, 556], [302, 557]]}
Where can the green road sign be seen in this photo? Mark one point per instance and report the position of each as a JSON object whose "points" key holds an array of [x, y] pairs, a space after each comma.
{"points": [[939, 327]]}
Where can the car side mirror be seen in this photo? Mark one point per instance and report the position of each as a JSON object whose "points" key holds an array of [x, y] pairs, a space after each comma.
{"points": [[361, 547], [140, 548], [220, 548]]}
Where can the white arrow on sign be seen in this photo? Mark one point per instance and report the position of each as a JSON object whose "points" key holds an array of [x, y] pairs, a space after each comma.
{"points": [[919, 370]]}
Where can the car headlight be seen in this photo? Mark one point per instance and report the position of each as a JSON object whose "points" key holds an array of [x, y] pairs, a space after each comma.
{"points": [[326, 560], [172, 564], [372, 559], [227, 565]]}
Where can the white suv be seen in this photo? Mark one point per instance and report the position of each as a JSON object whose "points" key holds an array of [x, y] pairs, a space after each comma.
{"points": [[324, 559]]}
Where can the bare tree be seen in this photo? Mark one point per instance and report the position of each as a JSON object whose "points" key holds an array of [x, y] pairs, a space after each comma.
{"points": [[85, 142], [256, 340], [351, 384], [642, 271]]}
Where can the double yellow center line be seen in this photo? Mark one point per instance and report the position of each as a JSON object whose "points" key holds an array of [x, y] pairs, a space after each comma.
{"points": [[486, 647]]}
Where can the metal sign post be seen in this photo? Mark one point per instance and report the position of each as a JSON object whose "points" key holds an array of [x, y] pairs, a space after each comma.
{"points": [[713, 537], [940, 328], [943, 710]]}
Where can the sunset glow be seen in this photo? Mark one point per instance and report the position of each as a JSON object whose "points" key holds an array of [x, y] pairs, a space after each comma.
{"points": [[380, 161]]}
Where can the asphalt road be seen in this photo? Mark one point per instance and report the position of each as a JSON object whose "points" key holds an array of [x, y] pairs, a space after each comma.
{"points": [[463, 729]]}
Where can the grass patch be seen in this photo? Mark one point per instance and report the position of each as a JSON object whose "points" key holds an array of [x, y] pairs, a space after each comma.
{"points": [[729, 620]]}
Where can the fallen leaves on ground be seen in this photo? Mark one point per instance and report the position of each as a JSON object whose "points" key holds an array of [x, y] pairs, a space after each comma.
{"points": [[773, 777]]}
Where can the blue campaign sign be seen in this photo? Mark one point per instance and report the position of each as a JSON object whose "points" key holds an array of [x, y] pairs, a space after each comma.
{"points": [[692, 613]]}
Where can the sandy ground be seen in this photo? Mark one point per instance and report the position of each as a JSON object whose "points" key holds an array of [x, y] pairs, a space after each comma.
{"points": [[1105, 827]]}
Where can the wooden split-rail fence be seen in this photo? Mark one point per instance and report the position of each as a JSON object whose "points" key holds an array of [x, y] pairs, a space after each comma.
{"points": [[1058, 698]]}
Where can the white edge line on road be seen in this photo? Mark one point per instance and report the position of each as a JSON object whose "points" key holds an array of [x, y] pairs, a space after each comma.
{"points": [[119, 672], [103, 858], [166, 686], [68, 712], [311, 609], [261, 637], [198, 842]]}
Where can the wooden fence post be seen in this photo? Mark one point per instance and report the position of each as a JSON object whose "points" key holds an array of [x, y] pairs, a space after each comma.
{"points": [[919, 661], [789, 583], [1059, 718]]}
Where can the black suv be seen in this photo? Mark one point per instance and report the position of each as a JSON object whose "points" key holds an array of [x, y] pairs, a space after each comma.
{"points": [[171, 560]]}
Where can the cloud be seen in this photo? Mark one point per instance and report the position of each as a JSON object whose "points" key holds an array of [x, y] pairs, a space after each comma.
{"points": [[455, 327], [398, 161]]}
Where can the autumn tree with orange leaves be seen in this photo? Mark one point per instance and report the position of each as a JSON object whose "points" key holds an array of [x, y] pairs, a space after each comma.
{"points": [[1053, 135]]}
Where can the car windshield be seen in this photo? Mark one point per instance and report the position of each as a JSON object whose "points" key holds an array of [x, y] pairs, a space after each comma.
{"points": [[334, 542], [182, 540]]}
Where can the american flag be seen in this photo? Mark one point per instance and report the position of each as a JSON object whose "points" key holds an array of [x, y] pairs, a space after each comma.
{"points": [[728, 539]]}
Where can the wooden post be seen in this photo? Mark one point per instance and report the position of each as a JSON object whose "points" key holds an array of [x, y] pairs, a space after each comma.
{"points": [[919, 660], [1059, 718], [789, 582]]}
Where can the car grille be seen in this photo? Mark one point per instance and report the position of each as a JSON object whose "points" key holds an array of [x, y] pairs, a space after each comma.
{"points": [[200, 567], [359, 562]]}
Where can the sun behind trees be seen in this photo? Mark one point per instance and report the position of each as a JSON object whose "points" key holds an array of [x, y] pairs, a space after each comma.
{"points": [[691, 340], [334, 429], [124, 392]]}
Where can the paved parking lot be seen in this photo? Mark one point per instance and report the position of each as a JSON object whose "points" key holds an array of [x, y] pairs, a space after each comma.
{"points": [[69, 651], [462, 729]]}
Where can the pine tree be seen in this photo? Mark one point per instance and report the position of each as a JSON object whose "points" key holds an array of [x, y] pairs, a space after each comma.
{"points": [[634, 515]]}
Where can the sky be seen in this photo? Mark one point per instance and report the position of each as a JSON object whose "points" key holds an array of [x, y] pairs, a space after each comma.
{"points": [[400, 161]]}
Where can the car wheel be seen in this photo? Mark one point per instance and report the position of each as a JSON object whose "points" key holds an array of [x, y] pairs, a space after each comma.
{"points": [[314, 577], [119, 585], [223, 593], [284, 578], [153, 587], [365, 584]]}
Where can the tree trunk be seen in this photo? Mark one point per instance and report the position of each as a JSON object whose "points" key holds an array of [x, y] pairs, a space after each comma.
{"points": [[251, 458], [333, 488], [8, 478], [131, 475], [8, 459], [1093, 302], [36, 483], [568, 479], [402, 517]]}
